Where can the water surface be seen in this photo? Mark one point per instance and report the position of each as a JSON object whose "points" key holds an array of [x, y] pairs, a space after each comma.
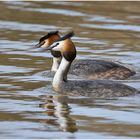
{"points": [[28, 106]]}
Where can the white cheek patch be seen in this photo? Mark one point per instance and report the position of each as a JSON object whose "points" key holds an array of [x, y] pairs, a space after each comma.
{"points": [[45, 45], [58, 47]]}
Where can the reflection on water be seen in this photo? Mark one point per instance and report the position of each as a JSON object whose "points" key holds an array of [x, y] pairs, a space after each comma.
{"points": [[57, 106], [28, 106]]}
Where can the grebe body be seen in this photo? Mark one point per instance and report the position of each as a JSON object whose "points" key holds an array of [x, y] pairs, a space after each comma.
{"points": [[87, 69], [100, 69], [90, 88]]}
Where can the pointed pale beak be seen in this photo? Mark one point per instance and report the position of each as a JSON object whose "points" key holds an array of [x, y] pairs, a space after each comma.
{"points": [[51, 47], [35, 47], [46, 49], [42, 49], [39, 45]]}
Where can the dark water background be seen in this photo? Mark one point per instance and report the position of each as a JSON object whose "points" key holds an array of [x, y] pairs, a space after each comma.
{"points": [[28, 109]]}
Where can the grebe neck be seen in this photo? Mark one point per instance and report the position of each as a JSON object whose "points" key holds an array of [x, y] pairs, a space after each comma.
{"points": [[56, 63], [61, 74]]}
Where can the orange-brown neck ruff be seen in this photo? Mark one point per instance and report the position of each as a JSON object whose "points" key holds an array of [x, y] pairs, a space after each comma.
{"points": [[52, 39], [68, 50], [48, 35]]}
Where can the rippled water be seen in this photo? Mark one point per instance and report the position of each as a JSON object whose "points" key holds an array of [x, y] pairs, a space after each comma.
{"points": [[28, 106]]}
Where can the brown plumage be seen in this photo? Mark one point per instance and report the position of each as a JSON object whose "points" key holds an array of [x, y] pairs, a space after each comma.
{"points": [[69, 51], [100, 69], [52, 39], [89, 69], [90, 88]]}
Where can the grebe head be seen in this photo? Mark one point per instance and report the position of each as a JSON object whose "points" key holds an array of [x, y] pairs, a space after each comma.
{"points": [[65, 46], [68, 52], [48, 39]]}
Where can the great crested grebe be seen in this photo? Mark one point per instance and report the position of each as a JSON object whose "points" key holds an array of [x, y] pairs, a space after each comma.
{"points": [[47, 40], [90, 88], [90, 69]]}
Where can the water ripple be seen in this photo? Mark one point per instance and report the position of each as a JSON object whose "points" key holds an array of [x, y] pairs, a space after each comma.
{"points": [[57, 11], [11, 25], [99, 18], [14, 69], [122, 27]]}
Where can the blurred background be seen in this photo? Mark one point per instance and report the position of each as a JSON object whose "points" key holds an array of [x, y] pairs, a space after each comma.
{"points": [[28, 106]]}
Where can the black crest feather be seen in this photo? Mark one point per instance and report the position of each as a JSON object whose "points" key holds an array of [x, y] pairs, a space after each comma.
{"points": [[48, 35], [69, 35]]}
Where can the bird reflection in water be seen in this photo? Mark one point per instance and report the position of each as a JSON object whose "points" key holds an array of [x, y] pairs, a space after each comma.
{"points": [[57, 107]]}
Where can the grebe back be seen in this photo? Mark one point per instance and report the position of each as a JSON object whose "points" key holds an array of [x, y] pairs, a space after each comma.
{"points": [[88, 69], [90, 88]]}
